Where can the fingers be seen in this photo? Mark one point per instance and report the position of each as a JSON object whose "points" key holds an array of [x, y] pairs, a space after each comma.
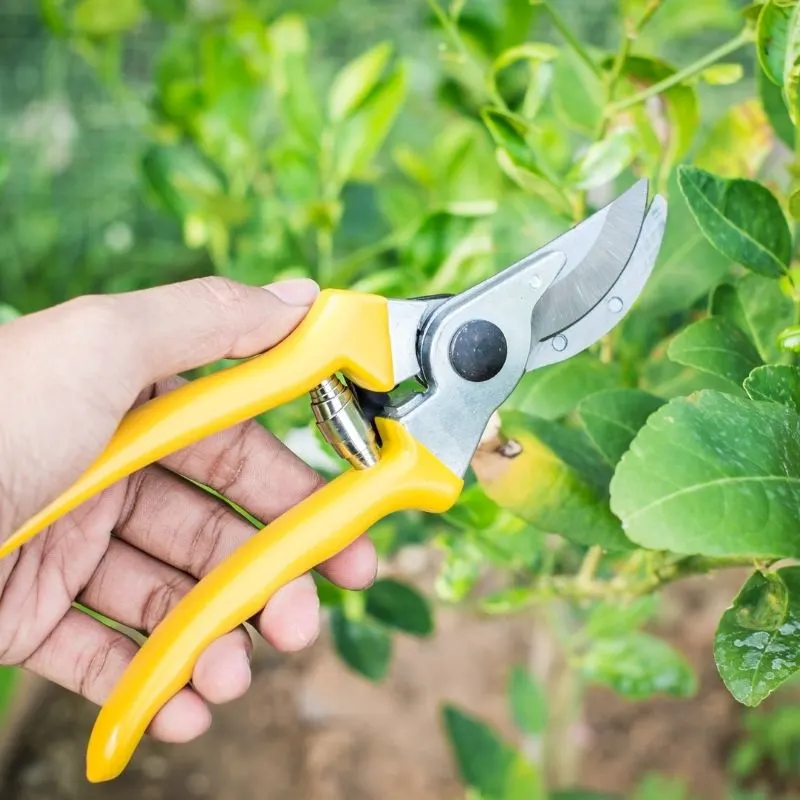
{"points": [[86, 657], [252, 468], [138, 591], [186, 325], [202, 532], [95, 355]]}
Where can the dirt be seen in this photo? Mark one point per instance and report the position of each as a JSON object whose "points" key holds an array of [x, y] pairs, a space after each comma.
{"points": [[311, 730]]}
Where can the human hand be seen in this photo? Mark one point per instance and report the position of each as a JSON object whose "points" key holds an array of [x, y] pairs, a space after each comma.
{"points": [[69, 374]]}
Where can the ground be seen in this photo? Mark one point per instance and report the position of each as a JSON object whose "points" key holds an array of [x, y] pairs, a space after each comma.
{"points": [[311, 730]]}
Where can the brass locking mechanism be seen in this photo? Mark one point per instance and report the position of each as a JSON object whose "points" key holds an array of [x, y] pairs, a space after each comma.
{"points": [[343, 424]]}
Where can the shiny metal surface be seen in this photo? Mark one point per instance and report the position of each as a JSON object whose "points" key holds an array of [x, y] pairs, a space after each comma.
{"points": [[618, 299], [597, 251], [341, 422], [452, 413]]}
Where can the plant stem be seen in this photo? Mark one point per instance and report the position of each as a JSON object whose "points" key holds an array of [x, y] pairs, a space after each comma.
{"points": [[577, 47], [742, 38]]}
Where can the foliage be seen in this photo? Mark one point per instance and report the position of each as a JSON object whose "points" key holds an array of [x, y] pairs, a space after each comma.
{"points": [[261, 143]]}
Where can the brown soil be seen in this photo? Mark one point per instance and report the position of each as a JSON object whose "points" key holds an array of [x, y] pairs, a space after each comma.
{"points": [[310, 730]]}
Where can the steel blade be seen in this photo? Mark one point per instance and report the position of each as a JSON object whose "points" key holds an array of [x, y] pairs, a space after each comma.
{"points": [[619, 299], [597, 251]]}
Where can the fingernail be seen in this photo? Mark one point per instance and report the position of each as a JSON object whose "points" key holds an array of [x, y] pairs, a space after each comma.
{"points": [[295, 291]]}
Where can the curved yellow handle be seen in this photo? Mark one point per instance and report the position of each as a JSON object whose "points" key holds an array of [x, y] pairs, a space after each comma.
{"points": [[344, 331], [407, 476]]}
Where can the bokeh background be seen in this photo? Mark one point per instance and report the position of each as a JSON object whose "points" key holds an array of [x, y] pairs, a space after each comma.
{"points": [[86, 206]]}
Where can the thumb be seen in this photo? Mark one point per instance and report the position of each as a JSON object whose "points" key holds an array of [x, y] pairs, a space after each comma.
{"points": [[174, 328]]}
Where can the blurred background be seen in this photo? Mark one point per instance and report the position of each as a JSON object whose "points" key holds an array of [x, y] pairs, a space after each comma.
{"points": [[149, 142]]}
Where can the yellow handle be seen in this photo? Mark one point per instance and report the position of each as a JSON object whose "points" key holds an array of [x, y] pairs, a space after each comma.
{"points": [[407, 476], [343, 331]]}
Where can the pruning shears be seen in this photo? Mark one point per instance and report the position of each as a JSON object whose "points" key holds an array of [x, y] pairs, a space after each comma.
{"points": [[463, 356]]}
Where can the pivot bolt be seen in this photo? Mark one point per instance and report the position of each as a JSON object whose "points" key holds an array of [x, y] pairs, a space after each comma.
{"points": [[478, 350]]}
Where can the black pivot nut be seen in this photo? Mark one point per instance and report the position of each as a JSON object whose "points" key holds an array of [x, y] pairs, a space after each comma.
{"points": [[478, 350]]}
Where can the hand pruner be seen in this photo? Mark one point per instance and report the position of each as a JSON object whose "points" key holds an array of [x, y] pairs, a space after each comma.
{"points": [[464, 353]]}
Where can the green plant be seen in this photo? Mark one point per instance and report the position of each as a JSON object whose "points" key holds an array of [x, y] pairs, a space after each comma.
{"points": [[670, 449]]}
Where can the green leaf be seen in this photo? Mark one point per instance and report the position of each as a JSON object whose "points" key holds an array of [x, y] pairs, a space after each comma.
{"points": [[604, 161], [614, 618], [716, 346], [778, 383], [771, 39], [362, 135], [363, 645], [759, 308], [461, 568], [354, 82], [612, 419], [106, 17], [555, 390], [722, 74], [554, 480], [791, 66], [741, 218], [528, 701], [509, 132], [638, 666], [678, 112], [537, 55], [399, 606], [577, 93], [757, 644], [582, 794], [687, 265], [487, 763], [713, 474], [533, 181], [775, 109], [789, 339]]}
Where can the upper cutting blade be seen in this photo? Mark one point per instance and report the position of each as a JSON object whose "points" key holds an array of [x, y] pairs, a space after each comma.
{"points": [[597, 251]]}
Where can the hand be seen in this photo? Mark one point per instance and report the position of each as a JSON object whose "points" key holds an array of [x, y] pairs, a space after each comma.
{"points": [[69, 375]]}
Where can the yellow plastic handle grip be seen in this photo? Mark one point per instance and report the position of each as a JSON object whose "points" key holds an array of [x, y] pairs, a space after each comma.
{"points": [[344, 331], [407, 476]]}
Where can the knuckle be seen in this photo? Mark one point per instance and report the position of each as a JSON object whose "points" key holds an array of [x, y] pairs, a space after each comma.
{"points": [[91, 671], [161, 599], [221, 291], [206, 541]]}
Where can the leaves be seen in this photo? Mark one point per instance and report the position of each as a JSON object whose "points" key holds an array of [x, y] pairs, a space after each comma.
{"points": [[713, 474], [528, 701], [9, 676], [741, 218], [759, 308], [399, 606], [612, 418], [576, 93], [638, 666], [613, 618], [556, 482], [363, 645], [771, 39], [791, 65], [363, 134], [716, 346], [7, 313], [537, 55], [687, 266], [757, 644], [486, 763], [553, 391], [603, 161], [779, 383], [356, 80], [775, 109], [106, 17]]}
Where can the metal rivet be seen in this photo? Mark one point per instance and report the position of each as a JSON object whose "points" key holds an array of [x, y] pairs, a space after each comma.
{"points": [[535, 282], [560, 343], [615, 305]]}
